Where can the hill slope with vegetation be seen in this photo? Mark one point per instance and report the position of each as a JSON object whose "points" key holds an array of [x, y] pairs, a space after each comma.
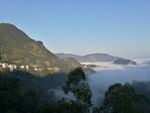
{"points": [[18, 48], [98, 57]]}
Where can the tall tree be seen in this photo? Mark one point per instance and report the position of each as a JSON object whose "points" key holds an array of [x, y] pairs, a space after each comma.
{"points": [[78, 86], [122, 99]]}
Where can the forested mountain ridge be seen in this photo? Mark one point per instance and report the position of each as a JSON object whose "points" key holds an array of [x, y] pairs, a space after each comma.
{"points": [[98, 57], [18, 48]]}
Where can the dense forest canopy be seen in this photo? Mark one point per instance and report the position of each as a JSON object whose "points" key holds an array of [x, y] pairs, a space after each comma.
{"points": [[22, 92]]}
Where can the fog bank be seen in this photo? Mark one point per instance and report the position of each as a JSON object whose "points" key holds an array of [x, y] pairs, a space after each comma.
{"points": [[101, 80]]}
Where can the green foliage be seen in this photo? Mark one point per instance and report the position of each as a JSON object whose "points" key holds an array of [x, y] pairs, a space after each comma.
{"points": [[76, 76], [64, 106], [122, 99], [77, 85], [9, 91], [22, 92], [16, 98], [143, 88]]}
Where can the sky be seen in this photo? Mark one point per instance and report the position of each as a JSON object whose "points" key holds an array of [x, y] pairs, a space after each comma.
{"points": [[117, 27]]}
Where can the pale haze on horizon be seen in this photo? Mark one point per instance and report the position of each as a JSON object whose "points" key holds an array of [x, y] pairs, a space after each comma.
{"points": [[117, 27]]}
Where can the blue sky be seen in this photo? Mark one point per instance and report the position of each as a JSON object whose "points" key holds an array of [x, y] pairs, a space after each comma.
{"points": [[117, 27]]}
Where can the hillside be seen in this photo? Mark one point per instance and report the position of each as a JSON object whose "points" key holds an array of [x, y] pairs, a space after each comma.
{"points": [[97, 57], [125, 62], [64, 55], [18, 48]]}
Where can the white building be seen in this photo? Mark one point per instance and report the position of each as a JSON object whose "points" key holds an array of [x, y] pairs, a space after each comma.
{"points": [[22, 67], [4, 65], [12, 67], [35, 69], [25, 67]]}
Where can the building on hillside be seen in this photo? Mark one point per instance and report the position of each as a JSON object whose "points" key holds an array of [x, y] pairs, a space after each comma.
{"points": [[4, 65], [12, 67], [35, 69], [22, 67], [26, 67], [54, 69], [85, 66]]}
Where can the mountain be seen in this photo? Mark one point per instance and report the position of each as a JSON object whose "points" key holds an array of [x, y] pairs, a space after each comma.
{"points": [[147, 62], [98, 57], [71, 62], [63, 56], [18, 48], [125, 62]]}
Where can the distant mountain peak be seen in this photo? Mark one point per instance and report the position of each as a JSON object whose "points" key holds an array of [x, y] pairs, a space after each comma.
{"points": [[98, 57], [94, 57]]}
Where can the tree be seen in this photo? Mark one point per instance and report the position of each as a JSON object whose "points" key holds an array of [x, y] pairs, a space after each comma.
{"points": [[9, 92], [16, 97], [122, 99], [78, 86]]}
